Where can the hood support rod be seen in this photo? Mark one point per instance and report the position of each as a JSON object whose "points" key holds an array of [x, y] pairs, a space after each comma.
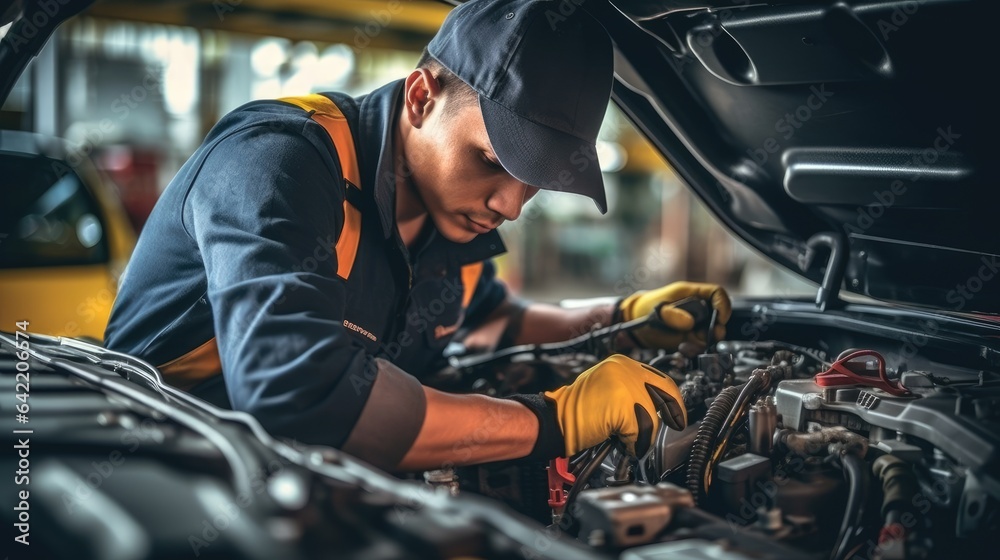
{"points": [[829, 290]]}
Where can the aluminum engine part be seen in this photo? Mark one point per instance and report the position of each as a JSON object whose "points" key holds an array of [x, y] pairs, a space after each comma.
{"points": [[763, 422], [973, 512], [443, 478], [629, 515], [950, 419]]}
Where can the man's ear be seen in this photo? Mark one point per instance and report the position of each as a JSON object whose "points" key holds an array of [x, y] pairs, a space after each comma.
{"points": [[421, 93]]}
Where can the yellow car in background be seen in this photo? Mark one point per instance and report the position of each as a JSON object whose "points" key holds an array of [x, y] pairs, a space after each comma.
{"points": [[64, 239]]}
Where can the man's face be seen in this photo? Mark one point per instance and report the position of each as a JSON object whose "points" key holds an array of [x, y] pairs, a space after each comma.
{"points": [[454, 171]]}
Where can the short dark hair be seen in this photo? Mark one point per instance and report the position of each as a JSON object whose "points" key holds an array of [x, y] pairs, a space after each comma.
{"points": [[460, 93]]}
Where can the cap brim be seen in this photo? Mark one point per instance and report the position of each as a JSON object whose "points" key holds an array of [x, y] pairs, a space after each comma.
{"points": [[542, 156]]}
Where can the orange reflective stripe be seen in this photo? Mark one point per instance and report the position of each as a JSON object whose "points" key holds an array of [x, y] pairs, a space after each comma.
{"points": [[194, 367], [350, 238], [204, 362], [330, 117], [470, 277]]}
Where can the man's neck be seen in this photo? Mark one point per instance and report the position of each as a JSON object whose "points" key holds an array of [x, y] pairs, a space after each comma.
{"points": [[411, 214], [409, 231]]}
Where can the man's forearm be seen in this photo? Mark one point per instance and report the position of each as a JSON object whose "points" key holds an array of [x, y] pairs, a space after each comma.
{"points": [[542, 323], [469, 429], [538, 323]]}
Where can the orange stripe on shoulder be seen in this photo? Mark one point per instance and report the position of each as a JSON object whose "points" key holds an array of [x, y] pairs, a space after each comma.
{"points": [[332, 119]]}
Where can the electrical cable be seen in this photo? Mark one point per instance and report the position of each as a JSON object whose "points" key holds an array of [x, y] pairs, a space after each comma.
{"points": [[587, 471]]}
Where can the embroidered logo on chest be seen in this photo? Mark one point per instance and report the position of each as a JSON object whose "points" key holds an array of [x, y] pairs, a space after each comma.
{"points": [[360, 331]]}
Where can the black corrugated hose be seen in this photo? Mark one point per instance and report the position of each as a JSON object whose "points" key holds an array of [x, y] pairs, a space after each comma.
{"points": [[704, 440]]}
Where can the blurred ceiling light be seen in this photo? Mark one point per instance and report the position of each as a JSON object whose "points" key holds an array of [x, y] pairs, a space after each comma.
{"points": [[336, 65], [305, 69], [158, 48], [120, 39], [611, 156], [180, 76], [268, 56], [304, 55]]}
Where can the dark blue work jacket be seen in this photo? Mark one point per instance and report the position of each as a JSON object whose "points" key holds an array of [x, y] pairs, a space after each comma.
{"points": [[235, 271]]}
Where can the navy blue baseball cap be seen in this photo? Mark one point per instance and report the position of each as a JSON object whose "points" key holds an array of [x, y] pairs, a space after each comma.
{"points": [[543, 71]]}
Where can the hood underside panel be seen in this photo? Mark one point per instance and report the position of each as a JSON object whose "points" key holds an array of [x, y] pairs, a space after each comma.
{"points": [[867, 123]]}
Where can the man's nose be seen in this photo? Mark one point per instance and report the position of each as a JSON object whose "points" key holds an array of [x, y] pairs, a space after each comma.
{"points": [[509, 199]]}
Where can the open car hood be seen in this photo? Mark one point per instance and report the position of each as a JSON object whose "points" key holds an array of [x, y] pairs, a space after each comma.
{"points": [[846, 141], [31, 25]]}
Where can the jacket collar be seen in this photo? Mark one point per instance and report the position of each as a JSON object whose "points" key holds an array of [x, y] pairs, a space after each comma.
{"points": [[378, 114]]}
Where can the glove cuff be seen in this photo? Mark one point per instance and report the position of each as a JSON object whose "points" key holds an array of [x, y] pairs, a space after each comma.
{"points": [[626, 305], [550, 443], [617, 314]]}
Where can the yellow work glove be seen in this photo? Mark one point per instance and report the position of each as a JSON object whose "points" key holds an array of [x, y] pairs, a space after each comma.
{"points": [[617, 397], [678, 323]]}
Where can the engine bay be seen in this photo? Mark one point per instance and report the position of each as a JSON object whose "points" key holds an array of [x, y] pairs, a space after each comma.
{"points": [[793, 449]]}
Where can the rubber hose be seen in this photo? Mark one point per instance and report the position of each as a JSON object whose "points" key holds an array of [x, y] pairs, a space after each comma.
{"points": [[857, 492], [899, 488], [899, 484], [704, 440]]}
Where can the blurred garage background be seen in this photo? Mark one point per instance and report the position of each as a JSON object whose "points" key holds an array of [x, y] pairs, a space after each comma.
{"points": [[131, 88]]}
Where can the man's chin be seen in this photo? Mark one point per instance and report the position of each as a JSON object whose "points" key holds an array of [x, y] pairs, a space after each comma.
{"points": [[458, 235], [452, 228]]}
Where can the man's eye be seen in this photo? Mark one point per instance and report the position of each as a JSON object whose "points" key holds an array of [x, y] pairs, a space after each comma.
{"points": [[491, 163]]}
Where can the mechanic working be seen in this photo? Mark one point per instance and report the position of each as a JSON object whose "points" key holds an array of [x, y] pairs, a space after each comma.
{"points": [[316, 254]]}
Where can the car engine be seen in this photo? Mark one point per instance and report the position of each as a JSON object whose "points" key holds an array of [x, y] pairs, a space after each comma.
{"points": [[791, 450]]}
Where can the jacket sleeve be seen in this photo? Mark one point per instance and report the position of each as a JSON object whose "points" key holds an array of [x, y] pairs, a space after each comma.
{"points": [[265, 212]]}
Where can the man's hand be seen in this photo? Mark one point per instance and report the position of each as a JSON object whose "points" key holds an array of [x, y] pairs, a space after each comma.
{"points": [[680, 322], [617, 397]]}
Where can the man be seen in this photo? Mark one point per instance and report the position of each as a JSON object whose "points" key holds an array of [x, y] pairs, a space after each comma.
{"points": [[315, 252]]}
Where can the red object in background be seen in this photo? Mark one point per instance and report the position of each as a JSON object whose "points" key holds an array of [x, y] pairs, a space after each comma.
{"points": [[135, 172], [559, 479], [849, 370]]}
